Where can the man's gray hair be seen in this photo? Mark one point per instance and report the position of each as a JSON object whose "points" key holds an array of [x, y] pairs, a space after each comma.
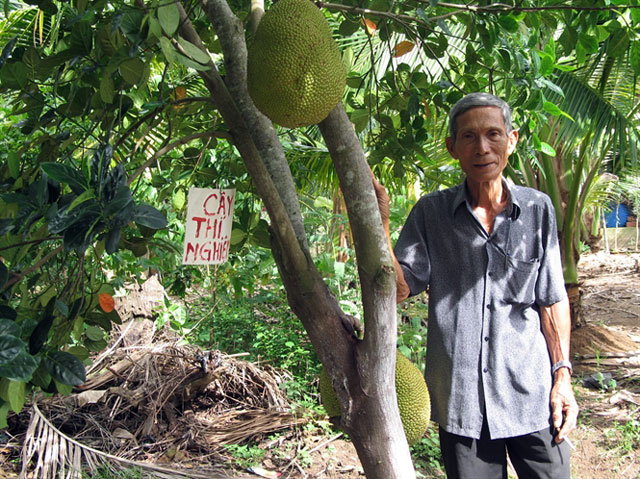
{"points": [[473, 100]]}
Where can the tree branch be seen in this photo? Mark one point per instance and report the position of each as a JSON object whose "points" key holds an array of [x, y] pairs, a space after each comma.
{"points": [[462, 8], [14, 279], [167, 148], [375, 355]]}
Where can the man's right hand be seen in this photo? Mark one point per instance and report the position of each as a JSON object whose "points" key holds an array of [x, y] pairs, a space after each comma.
{"points": [[383, 201], [402, 288]]}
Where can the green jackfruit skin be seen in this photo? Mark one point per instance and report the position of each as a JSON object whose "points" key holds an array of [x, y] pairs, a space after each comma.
{"points": [[413, 398], [295, 73]]}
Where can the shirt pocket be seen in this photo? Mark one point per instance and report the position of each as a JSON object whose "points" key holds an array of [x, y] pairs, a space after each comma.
{"points": [[520, 280]]}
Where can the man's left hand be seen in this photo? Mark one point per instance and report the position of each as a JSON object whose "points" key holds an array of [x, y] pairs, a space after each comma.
{"points": [[564, 407]]}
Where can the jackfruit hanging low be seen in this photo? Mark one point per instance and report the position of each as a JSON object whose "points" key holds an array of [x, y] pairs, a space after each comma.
{"points": [[412, 393]]}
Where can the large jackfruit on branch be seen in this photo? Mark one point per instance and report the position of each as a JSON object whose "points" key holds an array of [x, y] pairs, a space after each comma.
{"points": [[295, 72], [412, 393]]}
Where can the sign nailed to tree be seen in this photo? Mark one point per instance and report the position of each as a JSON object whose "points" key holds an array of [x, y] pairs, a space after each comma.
{"points": [[208, 230]]}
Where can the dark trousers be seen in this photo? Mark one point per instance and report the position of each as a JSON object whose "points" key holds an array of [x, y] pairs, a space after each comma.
{"points": [[534, 456]]}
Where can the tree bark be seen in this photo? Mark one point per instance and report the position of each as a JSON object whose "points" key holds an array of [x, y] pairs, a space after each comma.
{"points": [[374, 425], [362, 371]]}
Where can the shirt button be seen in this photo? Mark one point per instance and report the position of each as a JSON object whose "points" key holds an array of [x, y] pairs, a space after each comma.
{"points": [[485, 370], [489, 307], [491, 273], [486, 338]]}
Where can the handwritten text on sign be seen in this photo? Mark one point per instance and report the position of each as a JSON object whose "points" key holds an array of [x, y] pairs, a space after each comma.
{"points": [[208, 229]]}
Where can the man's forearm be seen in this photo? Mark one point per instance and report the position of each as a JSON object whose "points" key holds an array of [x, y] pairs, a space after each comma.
{"points": [[402, 288], [556, 327]]}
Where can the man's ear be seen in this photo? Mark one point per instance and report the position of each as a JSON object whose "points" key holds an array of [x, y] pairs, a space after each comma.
{"points": [[451, 147], [513, 140]]}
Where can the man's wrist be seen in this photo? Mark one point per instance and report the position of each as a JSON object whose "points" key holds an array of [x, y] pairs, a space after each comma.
{"points": [[560, 365]]}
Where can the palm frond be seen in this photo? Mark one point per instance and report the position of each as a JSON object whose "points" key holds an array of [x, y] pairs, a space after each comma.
{"points": [[58, 456]]}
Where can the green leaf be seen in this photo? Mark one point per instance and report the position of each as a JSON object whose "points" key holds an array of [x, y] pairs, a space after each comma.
{"points": [[178, 199], [551, 108], [107, 89], [40, 334], [360, 119], [79, 352], [7, 312], [31, 59], [194, 52], [189, 63], [588, 42], [4, 274], [634, 58], [10, 347], [13, 160], [62, 388], [4, 412], [41, 377], [65, 368], [21, 368], [167, 50], [261, 236], [169, 17], [509, 23], [14, 76], [132, 70], [8, 327], [237, 236], [147, 215], [154, 28], [547, 149], [81, 38], [13, 392], [618, 43], [94, 333]]}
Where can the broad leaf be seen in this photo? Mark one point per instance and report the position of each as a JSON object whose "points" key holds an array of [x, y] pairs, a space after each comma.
{"points": [[132, 70], [194, 52], [169, 17], [107, 89], [21, 368], [65, 368], [40, 334], [147, 215], [4, 274], [8, 327], [7, 312], [10, 347], [13, 392], [7, 50], [67, 175]]}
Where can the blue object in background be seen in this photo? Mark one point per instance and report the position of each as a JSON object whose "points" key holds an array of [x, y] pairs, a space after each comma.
{"points": [[618, 212]]}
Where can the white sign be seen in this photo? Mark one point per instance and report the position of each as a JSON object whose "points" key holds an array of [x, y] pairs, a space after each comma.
{"points": [[208, 228]]}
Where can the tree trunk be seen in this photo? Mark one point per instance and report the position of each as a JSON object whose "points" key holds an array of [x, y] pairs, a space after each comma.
{"points": [[362, 370], [575, 304]]}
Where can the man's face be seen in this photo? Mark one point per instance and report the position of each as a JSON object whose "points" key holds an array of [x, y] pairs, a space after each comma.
{"points": [[482, 145]]}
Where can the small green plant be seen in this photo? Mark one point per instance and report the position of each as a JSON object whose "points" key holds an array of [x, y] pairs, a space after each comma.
{"points": [[426, 454], [630, 435], [245, 456]]}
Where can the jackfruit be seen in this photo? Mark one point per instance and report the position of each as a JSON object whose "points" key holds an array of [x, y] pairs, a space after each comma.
{"points": [[295, 72], [411, 390]]}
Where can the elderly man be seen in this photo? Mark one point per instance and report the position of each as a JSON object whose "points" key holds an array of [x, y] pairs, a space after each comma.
{"points": [[497, 364]]}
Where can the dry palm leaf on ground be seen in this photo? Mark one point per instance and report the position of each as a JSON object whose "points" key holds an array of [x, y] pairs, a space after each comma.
{"points": [[155, 405]]}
